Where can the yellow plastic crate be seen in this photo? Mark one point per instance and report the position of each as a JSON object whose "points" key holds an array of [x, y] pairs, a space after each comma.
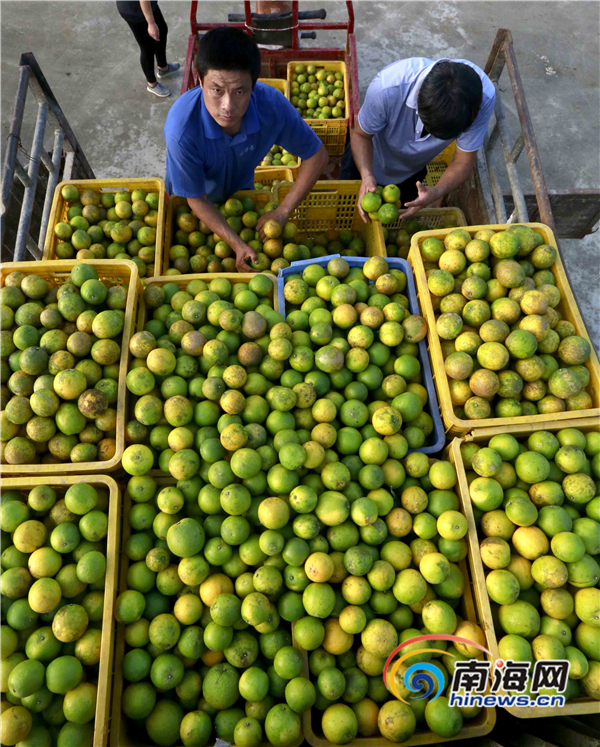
{"points": [[578, 706], [331, 132], [112, 272], [280, 84], [60, 484], [268, 175], [439, 164], [478, 726], [332, 205], [182, 280], [263, 174], [260, 172], [58, 211], [454, 425], [433, 218], [260, 197]]}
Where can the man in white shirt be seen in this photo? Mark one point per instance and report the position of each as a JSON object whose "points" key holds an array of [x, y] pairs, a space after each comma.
{"points": [[413, 109]]}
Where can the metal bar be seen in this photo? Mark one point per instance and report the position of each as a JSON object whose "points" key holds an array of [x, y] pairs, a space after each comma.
{"points": [[484, 177], [33, 248], [304, 53], [46, 160], [511, 167], [528, 740], [43, 92], [322, 26], [503, 55], [32, 79], [568, 734], [517, 148], [476, 207], [494, 135], [581, 727], [22, 174], [492, 170], [539, 183], [350, 7], [295, 25], [189, 63], [29, 194], [11, 148], [68, 168], [302, 26], [495, 62], [576, 212], [193, 16], [355, 91], [59, 137], [209, 26], [248, 13]]}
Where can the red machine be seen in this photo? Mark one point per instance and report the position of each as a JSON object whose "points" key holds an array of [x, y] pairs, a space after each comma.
{"points": [[281, 32]]}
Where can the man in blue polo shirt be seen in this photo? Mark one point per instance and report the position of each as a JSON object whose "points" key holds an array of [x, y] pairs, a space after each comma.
{"points": [[218, 133], [413, 109]]}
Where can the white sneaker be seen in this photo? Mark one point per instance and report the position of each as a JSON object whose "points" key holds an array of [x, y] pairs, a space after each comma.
{"points": [[159, 90]]}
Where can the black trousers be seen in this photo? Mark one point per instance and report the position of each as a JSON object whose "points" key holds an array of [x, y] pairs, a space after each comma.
{"points": [[149, 48], [408, 188]]}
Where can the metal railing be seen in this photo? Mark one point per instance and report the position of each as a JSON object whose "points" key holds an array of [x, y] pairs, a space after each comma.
{"points": [[570, 214], [30, 193], [503, 55]]}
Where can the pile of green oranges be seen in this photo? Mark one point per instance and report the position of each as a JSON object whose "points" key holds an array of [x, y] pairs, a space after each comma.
{"points": [[367, 343], [536, 504], [383, 204], [278, 156], [507, 350], [53, 578], [398, 240], [60, 348], [289, 498], [318, 93], [196, 249], [208, 652], [383, 569], [109, 225], [218, 575]]}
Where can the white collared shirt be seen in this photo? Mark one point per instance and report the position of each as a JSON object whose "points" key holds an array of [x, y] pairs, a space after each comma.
{"points": [[389, 113]]}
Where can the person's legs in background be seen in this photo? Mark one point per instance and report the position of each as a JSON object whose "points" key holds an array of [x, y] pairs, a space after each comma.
{"points": [[160, 46], [160, 49], [146, 45], [148, 51]]}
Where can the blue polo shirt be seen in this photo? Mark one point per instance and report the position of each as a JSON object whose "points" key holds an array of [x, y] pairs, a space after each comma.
{"points": [[203, 159], [389, 113]]}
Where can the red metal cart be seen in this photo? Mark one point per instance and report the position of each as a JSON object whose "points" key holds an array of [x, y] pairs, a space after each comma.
{"points": [[274, 61]]}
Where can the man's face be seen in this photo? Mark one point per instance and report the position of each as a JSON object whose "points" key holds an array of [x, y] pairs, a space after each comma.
{"points": [[227, 96]]}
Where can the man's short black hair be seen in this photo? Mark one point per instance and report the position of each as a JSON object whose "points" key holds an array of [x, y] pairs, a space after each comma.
{"points": [[449, 99], [228, 49]]}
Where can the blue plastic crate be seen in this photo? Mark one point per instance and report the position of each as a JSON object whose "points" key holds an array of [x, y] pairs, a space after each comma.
{"points": [[438, 435], [296, 268]]}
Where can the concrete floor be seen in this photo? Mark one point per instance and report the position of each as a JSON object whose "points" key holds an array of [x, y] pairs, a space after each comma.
{"points": [[91, 62]]}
